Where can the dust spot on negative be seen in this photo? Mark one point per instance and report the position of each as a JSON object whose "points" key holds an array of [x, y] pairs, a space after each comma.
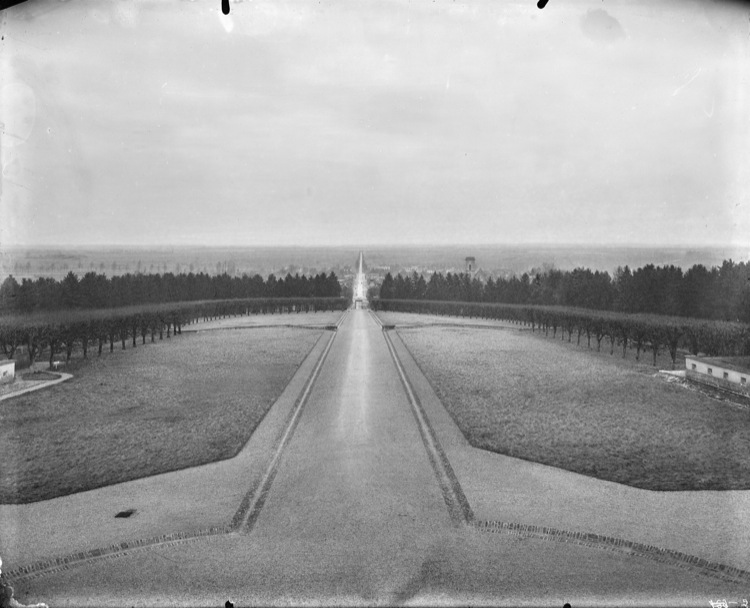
{"points": [[598, 25], [20, 104]]}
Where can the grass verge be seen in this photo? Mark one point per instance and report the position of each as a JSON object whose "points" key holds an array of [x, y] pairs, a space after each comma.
{"points": [[313, 319], [39, 375], [550, 402], [663, 359], [160, 407]]}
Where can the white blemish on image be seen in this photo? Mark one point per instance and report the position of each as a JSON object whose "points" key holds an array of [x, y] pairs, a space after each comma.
{"points": [[678, 89], [17, 113], [226, 22], [711, 113]]}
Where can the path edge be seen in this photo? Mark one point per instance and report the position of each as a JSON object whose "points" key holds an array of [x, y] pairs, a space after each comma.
{"points": [[458, 506], [73, 560], [672, 557]]}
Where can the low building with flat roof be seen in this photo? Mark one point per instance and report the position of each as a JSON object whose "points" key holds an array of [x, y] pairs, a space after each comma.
{"points": [[725, 373], [7, 371]]}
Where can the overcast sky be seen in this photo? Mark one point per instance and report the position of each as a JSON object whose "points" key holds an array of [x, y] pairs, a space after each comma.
{"points": [[383, 122]]}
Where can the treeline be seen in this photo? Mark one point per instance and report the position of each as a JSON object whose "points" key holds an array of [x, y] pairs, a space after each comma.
{"points": [[638, 331], [722, 293], [62, 332], [94, 291]]}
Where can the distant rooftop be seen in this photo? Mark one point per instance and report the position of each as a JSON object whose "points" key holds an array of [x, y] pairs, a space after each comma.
{"points": [[738, 364]]}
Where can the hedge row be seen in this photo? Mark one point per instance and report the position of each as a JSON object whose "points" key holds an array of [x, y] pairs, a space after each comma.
{"points": [[60, 332], [639, 331]]}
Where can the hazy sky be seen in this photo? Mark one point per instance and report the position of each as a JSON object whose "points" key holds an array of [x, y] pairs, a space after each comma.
{"points": [[391, 121]]}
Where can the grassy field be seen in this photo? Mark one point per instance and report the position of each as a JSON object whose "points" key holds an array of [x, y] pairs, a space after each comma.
{"points": [[410, 319], [26, 380], [313, 319], [551, 402], [182, 402], [663, 360]]}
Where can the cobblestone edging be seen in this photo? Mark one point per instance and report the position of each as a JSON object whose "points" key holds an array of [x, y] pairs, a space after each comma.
{"points": [[253, 501], [268, 326], [598, 541], [254, 498], [458, 505], [619, 545], [57, 564], [460, 325]]}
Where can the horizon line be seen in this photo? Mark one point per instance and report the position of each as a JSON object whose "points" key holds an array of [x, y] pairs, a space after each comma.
{"points": [[374, 246]]}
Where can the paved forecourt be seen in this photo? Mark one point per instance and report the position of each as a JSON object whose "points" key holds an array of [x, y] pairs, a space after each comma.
{"points": [[356, 507]]}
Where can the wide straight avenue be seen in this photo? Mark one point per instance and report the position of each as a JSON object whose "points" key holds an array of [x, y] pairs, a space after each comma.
{"points": [[357, 505]]}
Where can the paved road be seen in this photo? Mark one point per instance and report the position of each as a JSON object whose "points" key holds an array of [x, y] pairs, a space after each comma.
{"points": [[355, 515]]}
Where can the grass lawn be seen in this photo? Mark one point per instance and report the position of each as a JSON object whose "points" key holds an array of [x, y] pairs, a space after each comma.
{"points": [[189, 400], [39, 375], [551, 402], [663, 360], [313, 319], [410, 319]]}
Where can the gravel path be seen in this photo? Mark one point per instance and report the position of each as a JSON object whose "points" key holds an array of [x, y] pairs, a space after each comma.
{"points": [[20, 386]]}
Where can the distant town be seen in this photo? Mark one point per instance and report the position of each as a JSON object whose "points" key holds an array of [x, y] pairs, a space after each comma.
{"points": [[496, 261]]}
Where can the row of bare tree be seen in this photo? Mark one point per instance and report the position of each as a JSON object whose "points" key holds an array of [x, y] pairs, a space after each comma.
{"points": [[639, 331], [62, 332]]}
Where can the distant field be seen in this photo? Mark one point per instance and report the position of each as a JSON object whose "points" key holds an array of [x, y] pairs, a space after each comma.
{"points": [[34, 262], [553, 403], [182, 402], [57, 262]]}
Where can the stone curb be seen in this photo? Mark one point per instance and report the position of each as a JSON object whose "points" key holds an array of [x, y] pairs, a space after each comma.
{"points": [[63, 377], [240, 327], [460, 325], [67, 562], [254, 499], [458, 506], [610, 543]]}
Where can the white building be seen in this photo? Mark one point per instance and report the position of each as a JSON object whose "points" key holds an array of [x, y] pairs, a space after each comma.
{"points": [[7, 371], [726, 373]]}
